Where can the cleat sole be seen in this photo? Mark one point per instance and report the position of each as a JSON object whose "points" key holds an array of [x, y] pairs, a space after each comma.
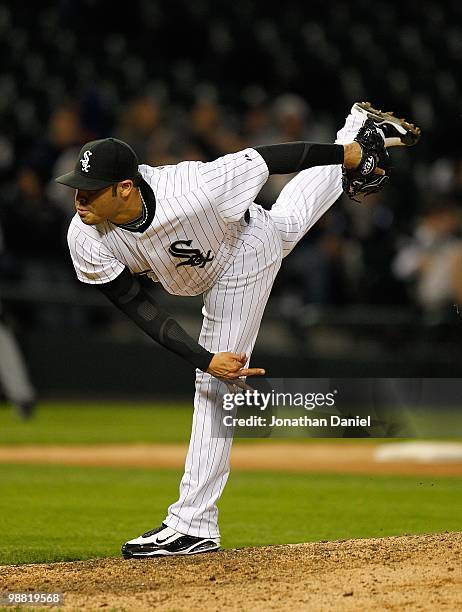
{"points": [[409, 134]]}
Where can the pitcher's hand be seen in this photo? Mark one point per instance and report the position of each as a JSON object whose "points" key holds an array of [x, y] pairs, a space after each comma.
{"points": [[231, 366]]}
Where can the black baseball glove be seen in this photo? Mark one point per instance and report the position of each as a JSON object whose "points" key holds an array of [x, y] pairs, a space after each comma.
{"points": [[362, 181]]}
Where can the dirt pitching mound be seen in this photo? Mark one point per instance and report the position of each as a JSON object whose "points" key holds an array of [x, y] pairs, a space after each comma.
{"points": [[399, 573]]}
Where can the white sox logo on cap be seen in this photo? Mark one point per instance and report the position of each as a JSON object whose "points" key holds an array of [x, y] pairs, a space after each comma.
{"points": [[85, 161]]}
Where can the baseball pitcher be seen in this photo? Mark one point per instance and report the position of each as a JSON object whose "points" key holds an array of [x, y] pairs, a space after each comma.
{"points": [[194, 227]]}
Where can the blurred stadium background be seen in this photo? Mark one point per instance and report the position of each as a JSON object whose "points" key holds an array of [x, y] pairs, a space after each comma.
{"points": [[372, 290]]}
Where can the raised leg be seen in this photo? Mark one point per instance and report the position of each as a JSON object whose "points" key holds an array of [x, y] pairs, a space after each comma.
{"points": [[312, 192]]}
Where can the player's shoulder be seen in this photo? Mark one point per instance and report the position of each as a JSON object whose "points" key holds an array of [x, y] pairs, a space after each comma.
{"points": [[171, 180], [78, 232]]}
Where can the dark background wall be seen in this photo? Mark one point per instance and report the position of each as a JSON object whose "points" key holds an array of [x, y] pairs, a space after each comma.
{"points": [[195, 80]]}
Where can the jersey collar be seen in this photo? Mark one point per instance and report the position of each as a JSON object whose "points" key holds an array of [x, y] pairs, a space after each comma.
{"points": [[150, 202]]}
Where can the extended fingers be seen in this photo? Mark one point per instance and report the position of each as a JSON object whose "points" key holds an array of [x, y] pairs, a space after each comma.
{"points": [[248, 372]]}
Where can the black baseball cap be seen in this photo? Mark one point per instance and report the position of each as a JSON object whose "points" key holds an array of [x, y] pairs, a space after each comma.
{"points": [[102, 163]]}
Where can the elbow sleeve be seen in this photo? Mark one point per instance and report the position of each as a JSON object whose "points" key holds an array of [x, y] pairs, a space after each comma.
{"points": [[127, 293]]}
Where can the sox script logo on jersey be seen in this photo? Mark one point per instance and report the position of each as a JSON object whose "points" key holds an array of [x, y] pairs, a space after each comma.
{"points": [[193, 257], [199, 210]]}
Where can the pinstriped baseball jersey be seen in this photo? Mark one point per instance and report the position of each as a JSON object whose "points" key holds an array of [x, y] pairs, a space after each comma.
{"points": [[199, 223], [196, 231]]}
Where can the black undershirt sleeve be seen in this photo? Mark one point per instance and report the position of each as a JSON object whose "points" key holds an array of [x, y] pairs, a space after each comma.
{"points": [[128, 294], [292, 157]]}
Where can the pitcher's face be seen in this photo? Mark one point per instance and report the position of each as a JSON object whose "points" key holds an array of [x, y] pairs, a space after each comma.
{"points": [[94, 207]]}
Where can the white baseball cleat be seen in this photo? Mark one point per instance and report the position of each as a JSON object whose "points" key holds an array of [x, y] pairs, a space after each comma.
{"points": [[398, 132], [165, 541]]}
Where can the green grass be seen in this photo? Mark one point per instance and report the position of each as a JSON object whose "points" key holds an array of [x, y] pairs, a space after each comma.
{"points": [[119, 422], [95, 423], [100, 423], [52, 513]]}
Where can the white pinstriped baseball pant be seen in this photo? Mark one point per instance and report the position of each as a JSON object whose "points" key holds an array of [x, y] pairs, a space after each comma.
{"points": [[233, 309]]}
